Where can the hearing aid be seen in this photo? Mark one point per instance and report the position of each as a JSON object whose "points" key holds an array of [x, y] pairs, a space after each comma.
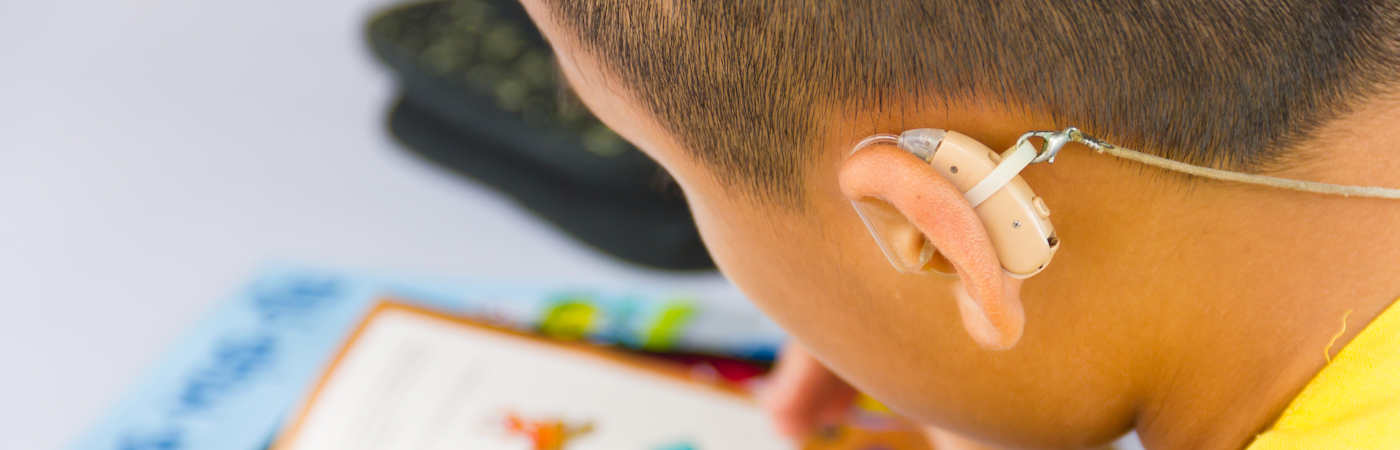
{"points": [[1017, 221]]}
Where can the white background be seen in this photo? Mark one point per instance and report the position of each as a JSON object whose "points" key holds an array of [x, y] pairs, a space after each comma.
{"points": [[153, 154]]}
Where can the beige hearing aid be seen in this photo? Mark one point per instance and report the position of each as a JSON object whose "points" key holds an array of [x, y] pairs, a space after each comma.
{"points": [[1017, 221]]}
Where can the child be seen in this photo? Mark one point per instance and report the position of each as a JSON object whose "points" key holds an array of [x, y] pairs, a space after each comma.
{"points": [[1201, 314]]}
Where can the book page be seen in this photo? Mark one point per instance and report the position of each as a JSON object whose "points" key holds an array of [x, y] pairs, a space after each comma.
{"points": [[413, 381]]}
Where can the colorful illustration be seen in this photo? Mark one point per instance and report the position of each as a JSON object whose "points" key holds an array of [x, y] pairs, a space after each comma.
{"points": [[570, 319], [652, 326], [668, 326], [547, 434]]}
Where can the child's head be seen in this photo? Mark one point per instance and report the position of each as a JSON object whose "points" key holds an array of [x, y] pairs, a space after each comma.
{"points": [[754, 106]]}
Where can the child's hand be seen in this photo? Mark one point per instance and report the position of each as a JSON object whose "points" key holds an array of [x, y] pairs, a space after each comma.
{"points": [[803, 394]]}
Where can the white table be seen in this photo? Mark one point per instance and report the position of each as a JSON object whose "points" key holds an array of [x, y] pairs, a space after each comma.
{"points": [[153, 154]]}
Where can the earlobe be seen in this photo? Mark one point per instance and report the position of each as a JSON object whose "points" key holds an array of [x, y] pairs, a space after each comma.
{"points": [[918, 198]]}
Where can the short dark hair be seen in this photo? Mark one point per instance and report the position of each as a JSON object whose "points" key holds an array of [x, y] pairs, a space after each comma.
{"points": [[1230, 83]]}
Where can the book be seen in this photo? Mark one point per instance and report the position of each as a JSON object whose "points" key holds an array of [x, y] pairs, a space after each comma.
{"points": [[415, 378]]}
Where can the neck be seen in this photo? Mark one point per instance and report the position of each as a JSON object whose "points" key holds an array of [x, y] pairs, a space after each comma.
{"points": [[1255, 313], [1243, 289]]}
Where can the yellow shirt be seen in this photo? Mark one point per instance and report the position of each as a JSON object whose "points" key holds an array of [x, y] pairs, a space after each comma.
{"points": [[1354, 402]]}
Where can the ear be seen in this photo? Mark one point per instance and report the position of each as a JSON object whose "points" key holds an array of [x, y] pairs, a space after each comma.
{"points": [[911, 202]]}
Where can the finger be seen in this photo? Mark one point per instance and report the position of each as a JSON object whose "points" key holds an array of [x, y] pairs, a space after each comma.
{"points": [[835, 409], [802, 392]]}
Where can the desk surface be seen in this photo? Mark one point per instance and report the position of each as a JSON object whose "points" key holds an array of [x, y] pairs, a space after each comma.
{"points": [[153, 154]]}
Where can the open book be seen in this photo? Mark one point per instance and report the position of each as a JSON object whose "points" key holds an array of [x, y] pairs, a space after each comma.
{"points": [[410, 378]]}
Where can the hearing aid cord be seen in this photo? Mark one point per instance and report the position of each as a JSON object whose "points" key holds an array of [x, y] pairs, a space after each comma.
{"points": [[1055, 141]]}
